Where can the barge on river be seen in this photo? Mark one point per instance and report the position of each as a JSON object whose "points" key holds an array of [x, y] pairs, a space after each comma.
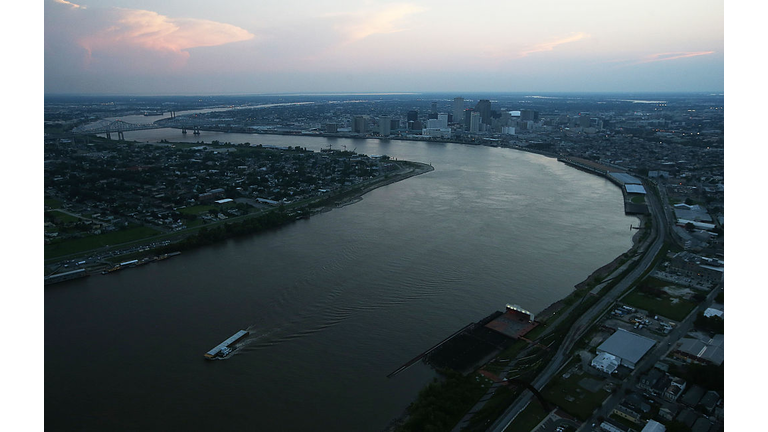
{"points": [[225, 348]]}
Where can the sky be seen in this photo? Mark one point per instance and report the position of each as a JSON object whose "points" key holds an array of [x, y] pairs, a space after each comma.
{"points": [[294, 46]]}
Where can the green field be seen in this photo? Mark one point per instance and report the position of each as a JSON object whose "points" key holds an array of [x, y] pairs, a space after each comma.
{"points": [[674, 308], [52, 203], [561, 390], [70, 246], [196, 210], [61, 218]]}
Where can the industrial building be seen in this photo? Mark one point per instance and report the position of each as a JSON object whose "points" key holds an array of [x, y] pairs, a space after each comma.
{"points": [[627, 346], [705, 351]]}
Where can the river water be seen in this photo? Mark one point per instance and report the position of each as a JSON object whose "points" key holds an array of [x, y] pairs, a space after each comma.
{"points": [[333, 303]]}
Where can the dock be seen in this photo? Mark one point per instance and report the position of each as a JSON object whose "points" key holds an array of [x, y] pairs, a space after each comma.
{"points": [[420, 356]]}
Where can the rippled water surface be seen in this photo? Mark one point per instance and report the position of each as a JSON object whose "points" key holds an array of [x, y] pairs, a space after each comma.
{"points": [[333, 303]]}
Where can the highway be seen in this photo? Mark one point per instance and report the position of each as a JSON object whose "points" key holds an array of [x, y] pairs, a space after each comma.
{"points": [[658, 234]]}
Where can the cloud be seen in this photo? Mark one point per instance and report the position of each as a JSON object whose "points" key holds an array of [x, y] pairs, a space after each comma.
{"points": [[117, 38], [360, 25], [673, 56], [65, 2], [549, 46], [151, 31]]}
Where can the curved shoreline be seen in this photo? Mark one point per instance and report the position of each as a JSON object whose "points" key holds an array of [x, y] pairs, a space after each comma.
{"points": [[342, 199]]}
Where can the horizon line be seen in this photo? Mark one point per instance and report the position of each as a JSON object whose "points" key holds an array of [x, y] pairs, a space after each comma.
{"points": [[374, 93]]}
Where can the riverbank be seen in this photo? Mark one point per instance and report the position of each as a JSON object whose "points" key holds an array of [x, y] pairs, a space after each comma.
{"points": [[241, 226], [595, 278], [415, 169]]}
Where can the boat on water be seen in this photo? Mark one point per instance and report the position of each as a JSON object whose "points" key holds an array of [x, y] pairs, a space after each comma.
{"points": [[61, 277], [136, 263], [227, 347]]}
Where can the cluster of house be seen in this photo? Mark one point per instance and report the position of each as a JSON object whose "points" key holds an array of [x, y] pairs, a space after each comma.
{"points": [[122, 185]]}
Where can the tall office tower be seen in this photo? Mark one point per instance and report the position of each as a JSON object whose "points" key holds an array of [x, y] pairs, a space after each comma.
{"points": [[434, 108], [412, 116], [468, 118], [458, 109], [442, 120], [529, 115], [484, 108], [385, 123], [474, 123], [414, 125], [360, 124]]}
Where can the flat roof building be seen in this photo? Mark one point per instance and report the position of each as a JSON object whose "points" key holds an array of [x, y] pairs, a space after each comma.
{"points": [[654, 426], [627, 346], [703, 351], [605, 362], [625, 178]]}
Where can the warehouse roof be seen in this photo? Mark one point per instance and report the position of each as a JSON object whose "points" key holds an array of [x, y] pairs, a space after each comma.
{"points": [[627, 345], [634, 188], [625, 178], [711, 350]]}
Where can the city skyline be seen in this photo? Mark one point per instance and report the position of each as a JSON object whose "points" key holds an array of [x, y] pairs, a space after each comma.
{"points": [[139, 47]]}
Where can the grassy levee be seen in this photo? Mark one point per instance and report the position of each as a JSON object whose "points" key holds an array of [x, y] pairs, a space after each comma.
{"points": [[61, 217], [500, 400], [442, 403], [67, 247]]}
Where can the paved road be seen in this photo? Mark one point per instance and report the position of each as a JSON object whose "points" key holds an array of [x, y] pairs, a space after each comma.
{"points": [[659, 234], [660, 351]]}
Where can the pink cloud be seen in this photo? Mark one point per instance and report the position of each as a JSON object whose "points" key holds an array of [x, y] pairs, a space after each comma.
{"points": [[550, 46], [360, 25], [65, 2], [154, 32], [116, 38], [673, 56]]}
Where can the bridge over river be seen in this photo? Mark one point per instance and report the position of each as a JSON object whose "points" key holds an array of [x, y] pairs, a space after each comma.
{"points": [[109, 127]]}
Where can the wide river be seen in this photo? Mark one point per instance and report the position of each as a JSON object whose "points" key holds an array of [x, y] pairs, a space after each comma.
{"points": [[334, 303]]}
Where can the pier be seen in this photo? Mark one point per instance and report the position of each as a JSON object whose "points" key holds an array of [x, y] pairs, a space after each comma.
{"points": [[427, 352]]}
